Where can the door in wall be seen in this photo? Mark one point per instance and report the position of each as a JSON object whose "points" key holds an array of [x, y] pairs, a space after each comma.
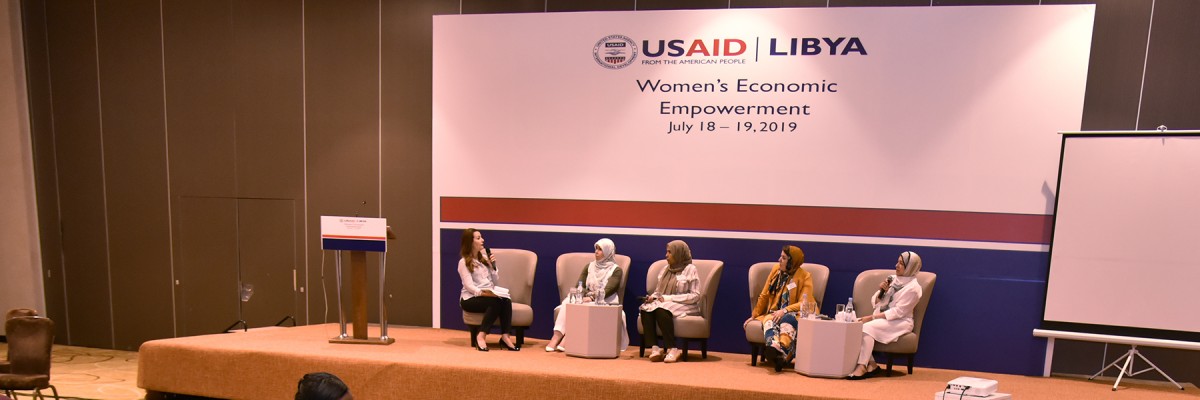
{"points": [[235, 264]]}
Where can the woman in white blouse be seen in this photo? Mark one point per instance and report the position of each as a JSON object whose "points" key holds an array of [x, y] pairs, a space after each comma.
{"points": [[893, 314], [479, 277], [677, 295], [602, 274]]}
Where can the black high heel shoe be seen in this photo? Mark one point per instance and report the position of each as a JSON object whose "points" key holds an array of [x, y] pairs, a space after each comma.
{"points": [[776, 358], [481, 345], [509, 348]]}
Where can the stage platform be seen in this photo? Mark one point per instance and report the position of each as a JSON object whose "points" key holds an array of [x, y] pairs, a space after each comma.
{"points": [[439, 363]]}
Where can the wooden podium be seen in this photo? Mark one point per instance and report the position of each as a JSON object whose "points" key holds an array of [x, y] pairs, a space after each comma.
{"points": [[359, 236]]}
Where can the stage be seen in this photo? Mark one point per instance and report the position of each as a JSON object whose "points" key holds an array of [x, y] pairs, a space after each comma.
{"points": [[439, 363]]}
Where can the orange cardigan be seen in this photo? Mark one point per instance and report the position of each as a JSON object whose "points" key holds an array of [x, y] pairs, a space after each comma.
{"points": [[803, 285]]}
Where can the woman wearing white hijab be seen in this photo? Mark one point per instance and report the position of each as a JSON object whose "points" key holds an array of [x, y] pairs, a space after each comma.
{"points": [[893, 314], [604, 273]]}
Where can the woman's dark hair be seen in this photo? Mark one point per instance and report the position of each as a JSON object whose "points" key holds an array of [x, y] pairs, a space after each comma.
{"points": [[320, 386]]}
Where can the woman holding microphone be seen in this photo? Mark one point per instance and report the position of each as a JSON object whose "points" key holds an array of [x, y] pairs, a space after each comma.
{"points": [[479, 276], [893, 314]]}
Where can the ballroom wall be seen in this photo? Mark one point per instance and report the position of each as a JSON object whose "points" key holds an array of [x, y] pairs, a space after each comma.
{"points": [[179, 144]]}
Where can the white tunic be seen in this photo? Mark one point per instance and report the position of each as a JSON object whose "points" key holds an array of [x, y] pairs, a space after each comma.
{"points": [[684, 299], [898, 319]]}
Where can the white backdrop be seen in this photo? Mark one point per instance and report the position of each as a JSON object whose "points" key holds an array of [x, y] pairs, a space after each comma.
{"points": [[950, 108]]}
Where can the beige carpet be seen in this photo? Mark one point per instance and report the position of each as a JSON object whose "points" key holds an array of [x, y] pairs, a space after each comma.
{"points": [[85, 373], [437, 363]]}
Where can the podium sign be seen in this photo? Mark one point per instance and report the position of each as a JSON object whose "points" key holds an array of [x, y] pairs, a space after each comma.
{"points": [[354, 233], [358, 235]]}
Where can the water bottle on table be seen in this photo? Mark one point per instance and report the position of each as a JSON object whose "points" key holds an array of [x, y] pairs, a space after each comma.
{"points": [[599, 295], [576, 293], [804, 306], [850, 315]]}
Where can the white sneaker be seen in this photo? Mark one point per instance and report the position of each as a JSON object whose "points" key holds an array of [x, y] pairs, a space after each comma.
{"points": [[672, 355], [656, 354]]}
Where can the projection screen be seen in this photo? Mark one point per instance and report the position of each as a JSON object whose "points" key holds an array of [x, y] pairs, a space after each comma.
{"points": [[1125, 254]]}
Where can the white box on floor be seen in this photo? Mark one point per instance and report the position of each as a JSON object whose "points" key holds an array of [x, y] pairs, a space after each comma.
{"points": [[955, 396]]}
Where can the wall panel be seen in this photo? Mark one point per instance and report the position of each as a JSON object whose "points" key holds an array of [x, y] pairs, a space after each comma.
{"points": [[267, 260], [135, 171], [268, 97], [1172, 83], [342, 94], [593, 5], [1115, 67], [681, 4], [778, 3], [502, 6], [406, 185], [79, 150], [206, 242], [200, 83], [45, 166]]}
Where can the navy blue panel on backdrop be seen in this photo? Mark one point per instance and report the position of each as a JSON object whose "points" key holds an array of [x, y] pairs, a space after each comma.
{"points": [[981, 314]]}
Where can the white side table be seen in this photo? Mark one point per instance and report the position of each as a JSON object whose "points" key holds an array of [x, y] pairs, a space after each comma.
{"points": [[827, 349], [593, 331]]}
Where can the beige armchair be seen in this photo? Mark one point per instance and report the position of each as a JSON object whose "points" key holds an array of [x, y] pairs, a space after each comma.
{"points": [[758, 278], [865, 287], [690, 328], [30, 340], [570, 265], [516, 269]]}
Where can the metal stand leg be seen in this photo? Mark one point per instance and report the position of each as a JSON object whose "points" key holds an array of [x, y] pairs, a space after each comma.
{"points": [[383, 324], [1127, 368], [341, 313]]}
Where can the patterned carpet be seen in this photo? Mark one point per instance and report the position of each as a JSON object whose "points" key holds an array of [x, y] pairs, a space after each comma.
{"points": [[86, 373]]}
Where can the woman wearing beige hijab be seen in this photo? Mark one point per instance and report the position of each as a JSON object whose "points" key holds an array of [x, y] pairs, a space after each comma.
{"points": [[893, 314], [677, 295]]}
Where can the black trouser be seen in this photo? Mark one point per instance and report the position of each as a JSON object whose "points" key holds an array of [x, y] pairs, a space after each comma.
{"points": [[665, 322], [491, 307]]}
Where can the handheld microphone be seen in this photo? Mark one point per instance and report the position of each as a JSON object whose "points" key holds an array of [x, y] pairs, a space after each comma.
{"points": [[882, 292], [488, 250]]}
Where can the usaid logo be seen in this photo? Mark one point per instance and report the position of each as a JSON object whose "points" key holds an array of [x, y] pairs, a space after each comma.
{"points": [[615, 51]]}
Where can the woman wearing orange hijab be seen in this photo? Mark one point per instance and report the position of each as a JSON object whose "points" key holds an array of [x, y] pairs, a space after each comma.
{"points": [[778, 303]]}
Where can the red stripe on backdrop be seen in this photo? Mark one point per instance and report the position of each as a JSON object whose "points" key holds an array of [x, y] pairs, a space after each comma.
{"points": [[918, 224]]}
